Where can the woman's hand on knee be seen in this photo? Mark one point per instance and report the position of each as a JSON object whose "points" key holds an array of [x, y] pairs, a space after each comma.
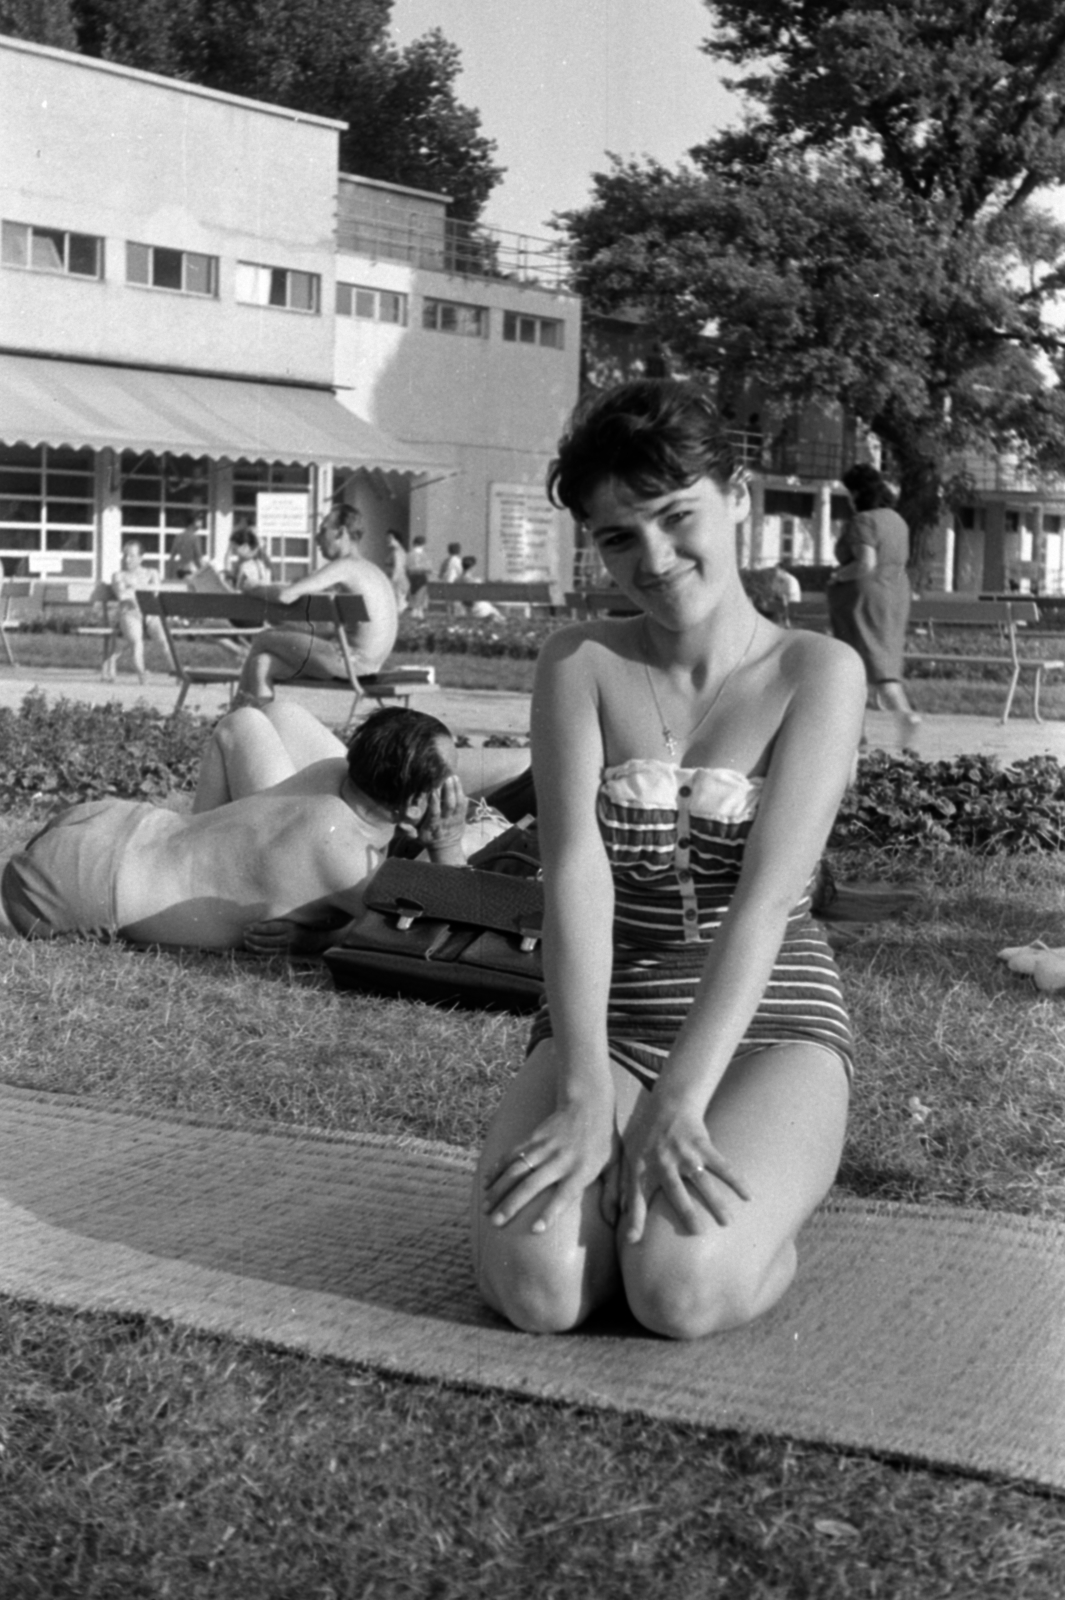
{"points": [[668, 1149], [570, 1151]]}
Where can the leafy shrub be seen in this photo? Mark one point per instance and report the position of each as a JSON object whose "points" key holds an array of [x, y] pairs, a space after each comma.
{"points": [[971, 801], [69, 751], [520, 637]]}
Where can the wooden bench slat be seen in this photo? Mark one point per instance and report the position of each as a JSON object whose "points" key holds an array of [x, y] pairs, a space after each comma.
{"points": [[542, 593], [223, 617], [952, 611]]}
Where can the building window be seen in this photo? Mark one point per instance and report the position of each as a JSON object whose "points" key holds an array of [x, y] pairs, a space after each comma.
{"points": [[47, 508], [159, 495], [185, 271], [278, 286], [289, 556], [519, 329], [372, 305], [51, 250], [449, 316]]}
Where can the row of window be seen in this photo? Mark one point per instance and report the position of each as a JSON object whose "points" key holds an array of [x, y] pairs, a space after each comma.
{"points": [[22, 244], [48, 504], [446, 316]]}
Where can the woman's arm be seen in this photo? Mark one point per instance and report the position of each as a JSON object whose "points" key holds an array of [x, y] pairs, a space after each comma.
{"points": [[567, 749], [861, 536], [863, 562], [809, 771], [570, 1150]]}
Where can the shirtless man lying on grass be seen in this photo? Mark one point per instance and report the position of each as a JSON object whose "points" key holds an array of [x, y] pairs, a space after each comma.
{"points": [[270, 860]]}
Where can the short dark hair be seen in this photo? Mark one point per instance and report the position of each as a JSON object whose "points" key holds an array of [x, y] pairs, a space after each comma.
{"points": [[454, 548], [867, 487], [653, 435], [393, 757], [244, 538], [345, 518]]}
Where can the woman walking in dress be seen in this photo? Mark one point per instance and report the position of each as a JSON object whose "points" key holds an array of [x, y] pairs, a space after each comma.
{"points": [[681, 1110], [869, 593]]}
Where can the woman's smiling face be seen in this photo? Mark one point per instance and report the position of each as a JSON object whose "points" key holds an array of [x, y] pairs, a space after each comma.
{"points": [[673, 553]]}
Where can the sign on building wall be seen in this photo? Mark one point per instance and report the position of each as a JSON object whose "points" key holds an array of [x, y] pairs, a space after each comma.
{"points": [[522, 534], [281, 516]]}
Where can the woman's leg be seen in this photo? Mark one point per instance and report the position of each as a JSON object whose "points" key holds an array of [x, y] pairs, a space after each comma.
{"points": [[112, 651], [131, 624], [542, 1282], [780, 1118], [245, 754], [892, 695], [305, 738], [158, 633]]}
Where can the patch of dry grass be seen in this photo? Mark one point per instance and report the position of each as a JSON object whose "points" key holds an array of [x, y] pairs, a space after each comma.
{"points": [[143, 1461]]}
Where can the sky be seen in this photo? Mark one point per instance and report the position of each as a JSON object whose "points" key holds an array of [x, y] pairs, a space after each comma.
{"points": [[558, 83]]}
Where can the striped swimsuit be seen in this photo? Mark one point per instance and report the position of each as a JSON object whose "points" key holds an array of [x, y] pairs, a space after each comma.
{"points": [[675, 838]]}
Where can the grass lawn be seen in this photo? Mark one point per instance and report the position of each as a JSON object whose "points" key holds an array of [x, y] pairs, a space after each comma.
{"points": [[138, 1460]]}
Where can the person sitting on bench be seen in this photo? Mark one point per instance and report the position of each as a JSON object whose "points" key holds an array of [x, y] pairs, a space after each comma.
{"points": [[311, 650], [281, 870]]}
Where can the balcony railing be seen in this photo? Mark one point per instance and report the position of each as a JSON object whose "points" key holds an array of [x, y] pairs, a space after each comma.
{"points": [[1005, 474], [464, 249], [790, 458]]}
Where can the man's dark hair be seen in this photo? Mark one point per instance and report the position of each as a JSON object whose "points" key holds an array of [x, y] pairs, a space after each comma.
{"points": [[345, 518], [454, 549], [652, 435], [393, 757], [867, 487]]}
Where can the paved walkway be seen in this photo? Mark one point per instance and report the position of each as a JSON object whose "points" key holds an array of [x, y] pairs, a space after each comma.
{"points": [[480, 713]]}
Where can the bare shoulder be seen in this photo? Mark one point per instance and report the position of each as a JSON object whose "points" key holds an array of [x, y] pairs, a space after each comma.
{"points": [[822, 679], [588, 643], [805, 655]]}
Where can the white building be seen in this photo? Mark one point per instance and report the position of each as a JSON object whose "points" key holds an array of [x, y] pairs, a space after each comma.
{"points": [[169, 337], [464, 341]]}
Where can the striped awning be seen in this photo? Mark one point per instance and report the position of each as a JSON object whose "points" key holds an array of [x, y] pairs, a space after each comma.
{"points": [[80, 403]]}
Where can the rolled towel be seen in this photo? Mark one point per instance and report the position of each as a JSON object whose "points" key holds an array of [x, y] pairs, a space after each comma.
{"points": [[1039, 962]]}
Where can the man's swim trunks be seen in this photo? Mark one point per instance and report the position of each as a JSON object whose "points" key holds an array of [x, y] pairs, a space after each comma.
{"points": [[64, 880]]}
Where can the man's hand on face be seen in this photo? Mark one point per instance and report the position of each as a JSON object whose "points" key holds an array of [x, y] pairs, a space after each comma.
{"points": [[442, 823]]}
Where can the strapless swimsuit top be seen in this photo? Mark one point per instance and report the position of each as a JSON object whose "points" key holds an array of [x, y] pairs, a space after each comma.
{"points": [[675, 838]]}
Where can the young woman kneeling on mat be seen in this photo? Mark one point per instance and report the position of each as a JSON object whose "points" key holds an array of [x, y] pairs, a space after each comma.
{"points": [[681, 1111]]}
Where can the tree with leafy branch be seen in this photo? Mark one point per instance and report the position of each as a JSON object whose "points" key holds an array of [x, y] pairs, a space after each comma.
{"points": [[43, 21], [868, 234], [333, 58]]}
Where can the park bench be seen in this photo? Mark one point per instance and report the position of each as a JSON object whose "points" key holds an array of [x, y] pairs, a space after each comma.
{"points": [[542, 595], [1003, 616], [24, 598], [15, 595], [600, 603], [932, 616], [219, 618]]}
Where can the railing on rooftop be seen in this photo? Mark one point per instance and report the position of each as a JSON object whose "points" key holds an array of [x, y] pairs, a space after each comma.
{"points": [[1005, 474], [788, 457], [464, 249]]}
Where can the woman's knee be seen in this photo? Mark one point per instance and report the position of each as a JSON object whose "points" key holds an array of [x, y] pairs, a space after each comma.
{"points": [[687, 1294], [539, 1289]]}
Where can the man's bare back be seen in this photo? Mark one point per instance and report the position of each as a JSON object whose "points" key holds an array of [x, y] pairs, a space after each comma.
{"points": [[296, 856], [275, 870]]}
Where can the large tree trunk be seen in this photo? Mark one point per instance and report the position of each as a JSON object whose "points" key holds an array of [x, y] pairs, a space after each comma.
{"points": [[918, 467]]}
